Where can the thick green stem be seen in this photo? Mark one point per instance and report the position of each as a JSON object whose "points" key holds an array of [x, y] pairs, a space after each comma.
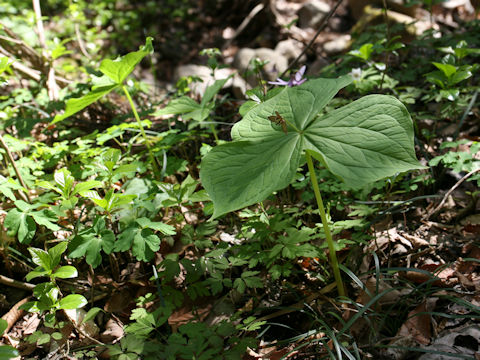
{"points": [[142, 131], [328, 235]]}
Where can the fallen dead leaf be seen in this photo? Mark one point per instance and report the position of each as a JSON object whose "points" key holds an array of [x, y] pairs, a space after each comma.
{"points": [[417, 325], [113, 331], [185, 315], [445, 278]]}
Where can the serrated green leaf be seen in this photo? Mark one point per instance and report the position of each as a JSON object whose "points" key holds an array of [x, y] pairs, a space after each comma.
{"points": [[45, 218], [145, 245], [89, 243], [75, 105], [20, 224], [85, 186], [72, 301], [65, 272], [23, 206], [364, 141], [7, 187], [240, 285], [156, 225], [120, 68], [143, 242], [57, 336]]}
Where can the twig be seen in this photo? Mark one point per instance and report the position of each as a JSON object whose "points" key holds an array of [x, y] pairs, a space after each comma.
{"points": [[244, 24], [31, 73], [84, 333], [15, 283], [449, 192], [52, 86], [322, 26], [20, 48], [299, 305], [12, 162], [83, 49]]}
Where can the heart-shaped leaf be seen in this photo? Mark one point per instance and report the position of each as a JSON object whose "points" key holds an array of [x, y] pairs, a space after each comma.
{"points": [[115, 70], [120, 68], [369, 139]]}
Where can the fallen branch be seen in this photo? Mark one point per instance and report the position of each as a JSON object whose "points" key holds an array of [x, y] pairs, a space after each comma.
{"points": [[15, 283], [53, 91], [321, 27], [299, 305], [244, 23], [449, 192]]}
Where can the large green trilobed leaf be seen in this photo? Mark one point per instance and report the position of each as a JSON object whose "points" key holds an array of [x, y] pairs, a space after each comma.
{"points": [[367, 140], [263, 159]]}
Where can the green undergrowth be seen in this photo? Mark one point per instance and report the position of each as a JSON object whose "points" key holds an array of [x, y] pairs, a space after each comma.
{"points": [[229, 223]]}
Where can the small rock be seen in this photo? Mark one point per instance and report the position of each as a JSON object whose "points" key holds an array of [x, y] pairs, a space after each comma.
{"points": [[277, 63], [239, 86], [374, 16], [357, 7], [312, 13], [340, 44], [290, 49], [316, 66]]}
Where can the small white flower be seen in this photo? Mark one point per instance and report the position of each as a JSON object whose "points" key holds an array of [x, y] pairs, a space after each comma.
{"points": [[356, 74]]}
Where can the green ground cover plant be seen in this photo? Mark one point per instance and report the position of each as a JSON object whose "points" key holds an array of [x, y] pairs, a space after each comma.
{"points": [[226, 225]]}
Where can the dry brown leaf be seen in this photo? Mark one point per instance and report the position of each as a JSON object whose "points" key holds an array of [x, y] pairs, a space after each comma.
{"points": [[119, 300], [31, 324], [418, 325], [113, 331], [185, 315], [446, 277]]}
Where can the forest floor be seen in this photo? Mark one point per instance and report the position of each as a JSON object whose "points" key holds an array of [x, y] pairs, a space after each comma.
{"points": [[409, 245]]}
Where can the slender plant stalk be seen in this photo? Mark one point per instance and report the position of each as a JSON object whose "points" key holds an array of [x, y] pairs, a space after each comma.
{"points": [[328, 235], [142, 131], [10, 159], [212, 127]]}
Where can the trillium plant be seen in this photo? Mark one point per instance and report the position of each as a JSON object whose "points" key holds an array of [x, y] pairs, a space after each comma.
{"points": [[364, 141]]}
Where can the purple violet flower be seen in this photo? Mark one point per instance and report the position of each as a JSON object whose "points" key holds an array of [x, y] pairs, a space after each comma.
{"points": [[295, 80]]}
